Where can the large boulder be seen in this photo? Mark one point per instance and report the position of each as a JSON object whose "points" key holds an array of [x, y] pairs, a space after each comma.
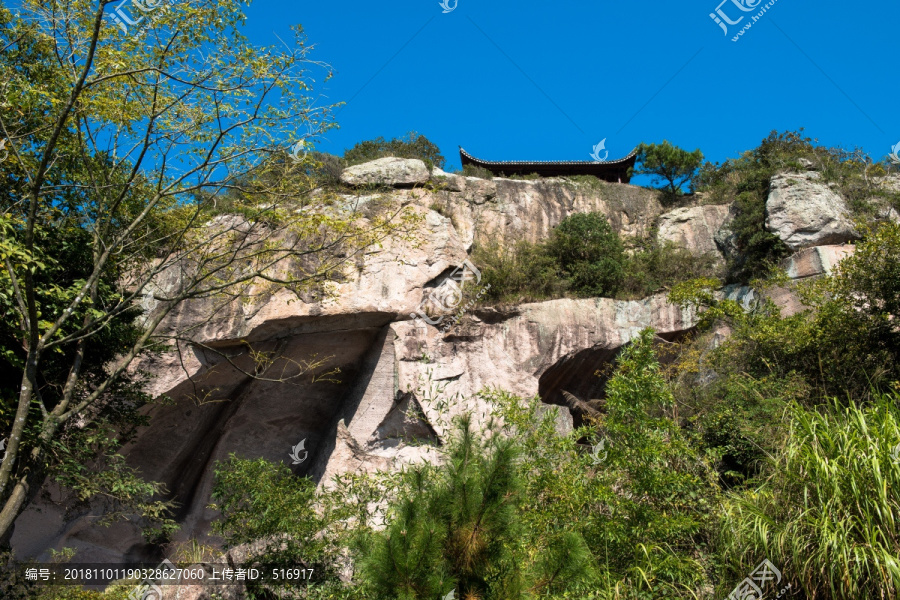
{"points": [[390, 171], [693, 228], [804, 212]]}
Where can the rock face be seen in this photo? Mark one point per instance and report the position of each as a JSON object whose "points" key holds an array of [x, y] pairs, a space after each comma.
{"points": [[819, 260], [693, 228], [804, 213], [352, 375], [388, 171], [502, 210]]}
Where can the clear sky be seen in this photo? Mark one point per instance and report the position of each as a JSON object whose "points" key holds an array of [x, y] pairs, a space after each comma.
{"points": [[515, 80]]}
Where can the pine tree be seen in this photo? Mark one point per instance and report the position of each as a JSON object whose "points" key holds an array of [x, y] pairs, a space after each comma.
{"points": [[454, 527]]}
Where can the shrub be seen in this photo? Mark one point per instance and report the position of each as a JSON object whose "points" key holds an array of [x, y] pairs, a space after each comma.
{"points": [[522, 273], [584, 256], [843, 344], [653, 267], [737, 419], [476, 171], [589, 253], [643, 510], [525, 176], [757, 250], [264, 503], [328, 168], [867, 286], [412, 146]]}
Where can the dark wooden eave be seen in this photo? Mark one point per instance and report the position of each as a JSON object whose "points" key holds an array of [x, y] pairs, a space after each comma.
{"points": [[607, 170]]}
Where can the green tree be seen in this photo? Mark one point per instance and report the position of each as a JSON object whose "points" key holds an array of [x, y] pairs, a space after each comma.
{"points": [[282, 519], [756, 250], [413, 145], [453, 527], [670, 491], [119, 142], [669, 164], [636, 506], [589, 253], [866, 284]]}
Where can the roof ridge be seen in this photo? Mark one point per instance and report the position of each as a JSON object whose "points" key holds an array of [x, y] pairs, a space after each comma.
{"points": [[550, 162]]}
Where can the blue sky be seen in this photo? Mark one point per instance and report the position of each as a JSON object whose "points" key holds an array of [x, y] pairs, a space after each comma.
{"points": [[515, 80]]}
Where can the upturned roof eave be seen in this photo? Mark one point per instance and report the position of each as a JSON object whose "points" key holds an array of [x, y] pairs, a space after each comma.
{"points": [[579, 163]]}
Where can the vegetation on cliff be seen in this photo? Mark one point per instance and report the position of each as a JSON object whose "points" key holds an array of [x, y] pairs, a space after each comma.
{"points": [[584, 257], [414, 145]]}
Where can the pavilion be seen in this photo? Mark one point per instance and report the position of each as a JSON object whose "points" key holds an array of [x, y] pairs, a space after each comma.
{"points": [[615, 171]]}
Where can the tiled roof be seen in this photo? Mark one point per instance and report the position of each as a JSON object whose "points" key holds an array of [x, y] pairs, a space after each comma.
{"points": [[500, 163], [608, 170]]}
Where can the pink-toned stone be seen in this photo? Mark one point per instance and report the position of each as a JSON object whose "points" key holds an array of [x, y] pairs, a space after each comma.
{"points": [[818, 260]]}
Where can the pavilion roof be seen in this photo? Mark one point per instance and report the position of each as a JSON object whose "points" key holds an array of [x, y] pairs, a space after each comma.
{"points": [[610, 170]]}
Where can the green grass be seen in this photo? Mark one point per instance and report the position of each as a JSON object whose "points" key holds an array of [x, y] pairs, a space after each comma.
{"points": [[828, 514]]}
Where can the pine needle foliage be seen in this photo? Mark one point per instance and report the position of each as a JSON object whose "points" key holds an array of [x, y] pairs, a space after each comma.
{"points": [[454, 526]]}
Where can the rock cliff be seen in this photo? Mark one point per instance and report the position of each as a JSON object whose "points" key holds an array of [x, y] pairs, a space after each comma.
{"points": [[360, 368]]}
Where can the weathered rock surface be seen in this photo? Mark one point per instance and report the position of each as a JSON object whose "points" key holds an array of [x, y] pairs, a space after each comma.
{"points": [[503, 210], [818, 260], [350, 356], [725, 238], [890, 182], [693, 228], [804, 213], [388, 171]]}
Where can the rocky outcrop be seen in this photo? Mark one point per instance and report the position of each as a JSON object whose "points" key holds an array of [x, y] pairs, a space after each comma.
{"points": [[693, 228], [804, 212], [389, 171]]}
